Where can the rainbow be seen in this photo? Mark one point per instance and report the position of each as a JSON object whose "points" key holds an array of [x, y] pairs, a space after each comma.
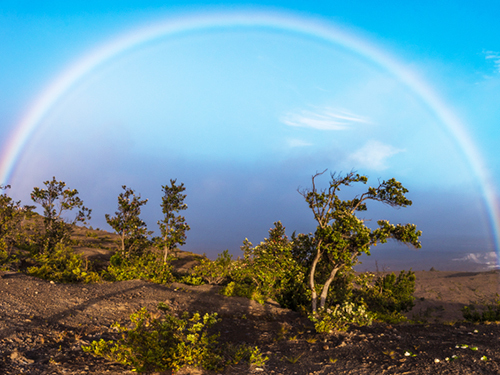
{"points": [[279, 21]]}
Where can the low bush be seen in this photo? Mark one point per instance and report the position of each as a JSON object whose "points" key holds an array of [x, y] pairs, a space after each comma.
{"points": [[191, 280], [215, 272], [489, 313], [63, 265], [241, 289], [340, 317], [389, 296], [8, 261], [165, 342], [148, 266]]}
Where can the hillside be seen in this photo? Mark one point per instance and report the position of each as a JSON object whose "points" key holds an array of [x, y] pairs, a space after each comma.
{"points": [[44, 324]]}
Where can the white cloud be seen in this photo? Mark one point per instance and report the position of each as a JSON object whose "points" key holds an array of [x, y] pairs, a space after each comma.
{"points": [[495, 56], [323, 119], [487, 259], [298, 143], [373, 155]]}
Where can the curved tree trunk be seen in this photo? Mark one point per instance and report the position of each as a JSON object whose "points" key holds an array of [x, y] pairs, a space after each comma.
{"points": [[324, 291], [312, 284]]}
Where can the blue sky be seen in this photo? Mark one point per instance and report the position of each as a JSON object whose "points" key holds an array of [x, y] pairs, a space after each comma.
{"points": [[244, 115]]}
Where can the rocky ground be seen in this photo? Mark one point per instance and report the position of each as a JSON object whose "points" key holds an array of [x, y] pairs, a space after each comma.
{"points": [[44, 324]]}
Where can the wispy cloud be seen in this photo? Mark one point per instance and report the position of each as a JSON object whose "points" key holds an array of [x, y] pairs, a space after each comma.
{"points": [[298, 143], [373, 155], [495, 56], [323, 119]]}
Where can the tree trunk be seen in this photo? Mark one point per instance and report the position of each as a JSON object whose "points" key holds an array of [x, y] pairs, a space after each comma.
{"points": [[312, 284], [324, 291], [123, 244], [165, 254]]}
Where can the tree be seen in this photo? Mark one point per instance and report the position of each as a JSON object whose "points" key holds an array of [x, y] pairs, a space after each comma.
{"points": [[341, 237], [55, 200], [173, 228], [127, 223], [272, 269], [12, 215]]}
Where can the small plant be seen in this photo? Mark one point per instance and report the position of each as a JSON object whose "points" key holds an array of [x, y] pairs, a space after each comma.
{"points": [[340, 317], [282, 332], [294, 359], [390, 353], [246, 353], [191, 280]]}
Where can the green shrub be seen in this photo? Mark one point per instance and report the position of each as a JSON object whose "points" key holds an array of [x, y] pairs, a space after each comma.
{"points": [[62, 265], [162, 343], [215, 272], [340, 317], [191, 280], [389, 296], [489, 313], [244, 353], [148, 267], [269, 270], [250, 291], [7, 260]]}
